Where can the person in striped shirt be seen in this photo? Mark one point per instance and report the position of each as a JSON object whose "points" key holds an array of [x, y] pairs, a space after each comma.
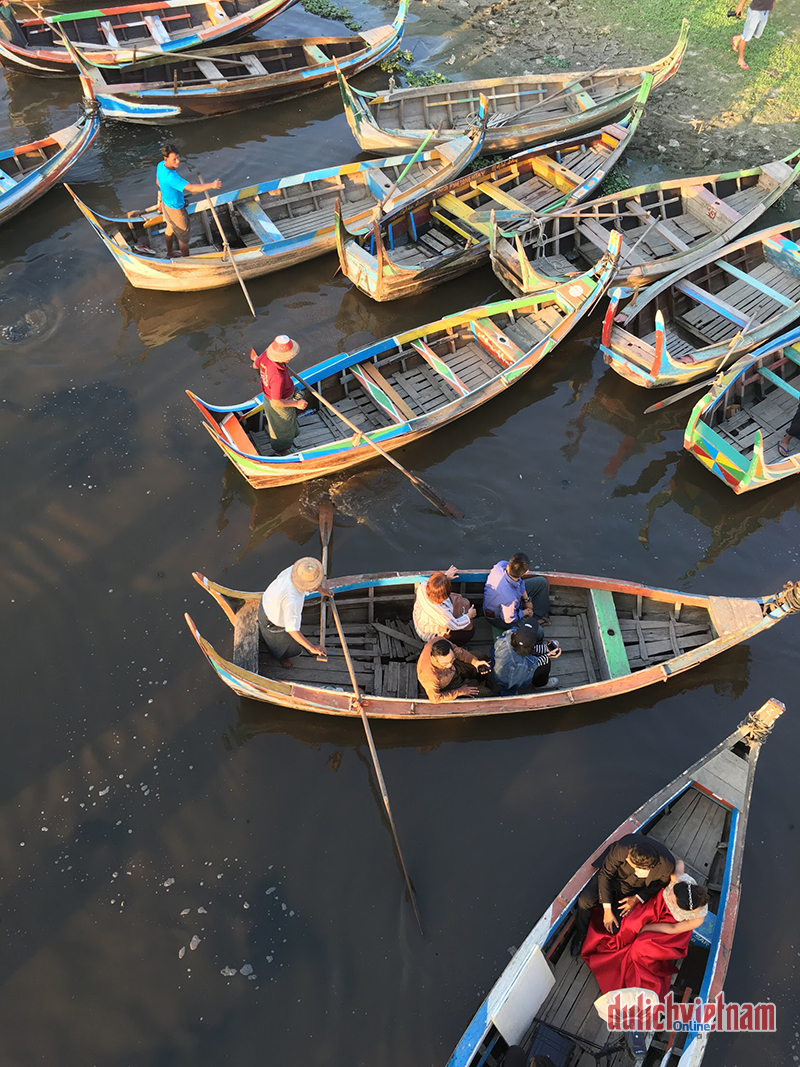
{"points": [[521, 658]]}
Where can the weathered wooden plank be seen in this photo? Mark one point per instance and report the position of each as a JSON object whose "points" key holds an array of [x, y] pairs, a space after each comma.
{"points": [[729, 615]]}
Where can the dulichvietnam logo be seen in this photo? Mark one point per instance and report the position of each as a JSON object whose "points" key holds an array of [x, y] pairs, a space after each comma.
{"points": [[643, 1013]]}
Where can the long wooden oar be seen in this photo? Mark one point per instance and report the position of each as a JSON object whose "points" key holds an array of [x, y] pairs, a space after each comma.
{"points": [[430, 494], [227, 249], [704, 384], [359, 705], [406, 169], [325, 531]]}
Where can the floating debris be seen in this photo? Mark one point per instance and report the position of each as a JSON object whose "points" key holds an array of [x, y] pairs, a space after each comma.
{"points": [[229, 972], [182, 952], [186, 911], [194, 942], [169, 882]]}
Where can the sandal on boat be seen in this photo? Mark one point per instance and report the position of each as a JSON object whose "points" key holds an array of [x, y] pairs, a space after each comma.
{"points": [[783, 451]]}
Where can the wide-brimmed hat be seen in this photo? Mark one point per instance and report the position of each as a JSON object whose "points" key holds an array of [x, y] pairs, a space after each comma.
{"points": [[282, 349], [307, 574]]}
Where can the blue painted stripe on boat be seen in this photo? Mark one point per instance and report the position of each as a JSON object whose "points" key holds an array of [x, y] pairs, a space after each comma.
{"points": [[472, 1037], [789, 338], [767, 290], [111, 106]]}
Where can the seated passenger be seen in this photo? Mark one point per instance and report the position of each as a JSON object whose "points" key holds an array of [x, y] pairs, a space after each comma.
{"points": [[522, 658], [509, 597], [447, 672], [280, 610], [643, 952], [439, 612]]}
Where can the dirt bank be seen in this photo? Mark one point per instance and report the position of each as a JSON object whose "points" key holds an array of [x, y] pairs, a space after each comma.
{"points": [[711, 115]]}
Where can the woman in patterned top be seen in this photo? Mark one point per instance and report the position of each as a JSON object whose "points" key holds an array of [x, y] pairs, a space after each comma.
{"points": [[439, 612]]}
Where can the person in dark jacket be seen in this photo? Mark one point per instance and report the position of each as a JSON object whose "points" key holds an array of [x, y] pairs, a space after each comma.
{"points": [[631, 871]]}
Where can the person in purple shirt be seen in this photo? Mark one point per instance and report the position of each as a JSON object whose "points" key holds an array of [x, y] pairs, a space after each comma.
{"points": [[509, 597]]}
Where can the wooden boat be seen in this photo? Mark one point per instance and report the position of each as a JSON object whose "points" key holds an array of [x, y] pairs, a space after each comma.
{"points": [[404, 387], [27, 172], [276, 224], [524, 110], [544, 999], [690, 323], [447, 234], [616, 637], [116, 35], [664, 227], [219, 81], [735, 429]]}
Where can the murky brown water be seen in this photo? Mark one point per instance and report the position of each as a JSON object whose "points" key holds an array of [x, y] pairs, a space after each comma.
{"points": [[125, 763]]}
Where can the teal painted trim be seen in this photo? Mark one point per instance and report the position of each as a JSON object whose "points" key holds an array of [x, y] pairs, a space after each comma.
{"points": [[765, 372], [605, 612], [710, 437], [767, 290]]}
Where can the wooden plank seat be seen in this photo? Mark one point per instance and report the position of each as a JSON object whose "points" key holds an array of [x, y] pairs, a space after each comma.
{"points": [[496, 193], [109, 34], [660, 226], [254, 65], [315, 56], [765, 372], [756, 283], [382, 393], [459, 210], [610, 646], [597, 235], [158, 30], [440, 367], [494, 341], [209, 70], [564, 179], [713, 301], [259, 222]]}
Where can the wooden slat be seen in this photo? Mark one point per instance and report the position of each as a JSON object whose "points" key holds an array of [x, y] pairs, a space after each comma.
{"points": [[730, 615]]}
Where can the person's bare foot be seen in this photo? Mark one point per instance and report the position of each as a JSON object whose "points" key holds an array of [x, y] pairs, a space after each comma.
{"points": [[545, 621], [286, 663], [743, 65], [735, 42]]}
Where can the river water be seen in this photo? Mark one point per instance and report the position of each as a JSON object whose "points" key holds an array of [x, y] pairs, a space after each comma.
{"points": [[143, 807]]}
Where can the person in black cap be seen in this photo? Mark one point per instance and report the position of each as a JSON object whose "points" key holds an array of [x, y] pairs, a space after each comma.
{"points": [[522, 658]]}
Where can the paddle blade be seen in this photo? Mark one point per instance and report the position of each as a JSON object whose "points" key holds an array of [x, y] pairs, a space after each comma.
{"points": [[430, 494], [678, 396], [325, 520]]}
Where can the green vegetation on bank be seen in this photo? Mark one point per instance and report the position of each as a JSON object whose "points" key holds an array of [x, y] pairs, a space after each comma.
{"points": [[772, 85], [327, 10], [400, 65]]}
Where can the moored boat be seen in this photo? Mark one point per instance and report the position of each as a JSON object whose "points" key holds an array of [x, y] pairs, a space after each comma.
{"points": [[737, 428], [404, 387], [276, 224], [524, 110], [547, 1000], [615, 636], [664, 227], [219, 81], [117, 35], [447, 234], [693, 322], [30, 170]]}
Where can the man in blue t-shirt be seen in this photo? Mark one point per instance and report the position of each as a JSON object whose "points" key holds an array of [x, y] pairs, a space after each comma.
{"points": [[171, 199]]}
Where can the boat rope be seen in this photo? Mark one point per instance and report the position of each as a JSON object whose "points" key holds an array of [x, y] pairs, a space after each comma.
{"points": [[756, 727], [788, 599]]}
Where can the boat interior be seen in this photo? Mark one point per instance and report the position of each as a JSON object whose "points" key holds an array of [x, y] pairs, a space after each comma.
{"points": [[763, 397], [697, 829], [402, 384], [602, 635], [653, 225], [528, 99], [127, 26], [232, 64], [282, 214], [15, 167], [740, 290], [461, 215]]}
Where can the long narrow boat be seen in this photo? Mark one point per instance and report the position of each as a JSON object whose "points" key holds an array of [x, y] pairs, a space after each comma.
{"points": [[736, 428], [27, 172], [525, 109], [616, 637], [116, 35], [691, 323], [664, 227], [545, 998], [404, 387], [447, 234], [219, 81], [276, 224]]}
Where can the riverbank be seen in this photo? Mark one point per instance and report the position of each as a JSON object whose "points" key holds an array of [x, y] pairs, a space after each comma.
{"points": [[712, 111]]}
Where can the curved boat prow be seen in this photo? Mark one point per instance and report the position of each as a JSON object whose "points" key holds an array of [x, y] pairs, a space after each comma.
{"points": [[758, 724]]}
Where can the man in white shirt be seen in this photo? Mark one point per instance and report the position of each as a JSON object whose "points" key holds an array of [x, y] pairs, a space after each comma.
{"points": [[280, 610]]}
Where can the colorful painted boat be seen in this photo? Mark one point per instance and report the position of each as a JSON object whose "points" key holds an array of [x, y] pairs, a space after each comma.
{"points": [[115, 35], [447, 234], [664, 227], [27, 172], [219, 81], [524, 110], [693, 322], [544, 1001], [404, 387], [616, 637], [736, 428], [276, 224]]}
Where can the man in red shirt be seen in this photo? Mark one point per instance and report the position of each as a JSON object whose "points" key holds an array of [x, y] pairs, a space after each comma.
{"points": [[280, 403]]}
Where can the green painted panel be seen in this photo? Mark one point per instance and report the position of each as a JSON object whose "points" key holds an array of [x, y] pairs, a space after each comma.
{"points": [[605, 613]]}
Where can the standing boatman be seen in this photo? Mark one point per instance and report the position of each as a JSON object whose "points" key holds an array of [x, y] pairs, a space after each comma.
{"points": [[281, 403], [171, 198]]}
